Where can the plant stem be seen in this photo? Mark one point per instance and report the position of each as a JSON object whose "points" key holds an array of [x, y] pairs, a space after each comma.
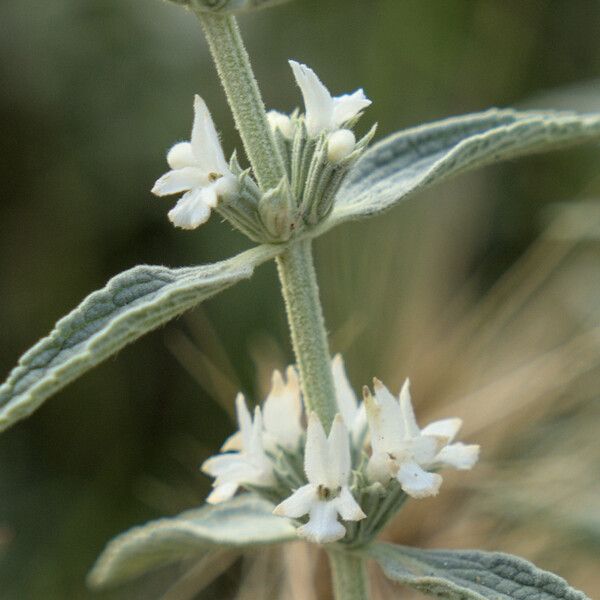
{"points": [[243, 95], [307, 327], [295, 264], [349, 576]]}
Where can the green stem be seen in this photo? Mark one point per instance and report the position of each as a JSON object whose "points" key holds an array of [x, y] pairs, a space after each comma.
{"points": [[295, 265], [349, 576], [307, 327], [243, 95]]}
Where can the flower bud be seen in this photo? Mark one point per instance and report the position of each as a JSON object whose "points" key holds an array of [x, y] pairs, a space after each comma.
{"points": [[282, 122], [340, 144]]}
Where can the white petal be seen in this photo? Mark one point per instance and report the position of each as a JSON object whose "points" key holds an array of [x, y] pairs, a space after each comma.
{"points": [[221, 493], [359, 427], [339, 463], [340, 145], [446, 428], [323, 526], [283, 410], [225, 186], [278, 120], [190, 210], [416, 482], [219, 464], [233, 442], [318, 102], [316, 452], [345, 396], [424, 448], [348, 507], [205, 141], [181, 155], [347, 106], [244, 420], [460, 456], [255, 447], [408, 414], [179, 180], [381, 468], [385, 419], [299, 503]]}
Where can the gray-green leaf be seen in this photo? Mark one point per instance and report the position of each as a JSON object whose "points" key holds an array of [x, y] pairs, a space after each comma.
{"points": [[242, 522], [130, 305], [413, 159], [470, 574]]}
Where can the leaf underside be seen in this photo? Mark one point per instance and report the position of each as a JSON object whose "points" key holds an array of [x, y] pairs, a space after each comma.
{"points": [[131, 304], [246, 520], [470, 574], [414, 159]]}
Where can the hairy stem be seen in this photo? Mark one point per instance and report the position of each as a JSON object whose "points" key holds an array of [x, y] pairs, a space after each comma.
{"points": [[349, 575], [307, 327], [243, 95], [295, 265]]}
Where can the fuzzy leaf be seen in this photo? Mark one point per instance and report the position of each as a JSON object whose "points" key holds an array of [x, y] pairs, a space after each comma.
{"points": [[470, 574], [413, 159], [242, 522], [130, 305]]}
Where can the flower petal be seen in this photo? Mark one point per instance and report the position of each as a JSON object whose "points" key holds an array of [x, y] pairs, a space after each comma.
{"points": [[316, 452], [181, 155], [323, 526], [408, 414], [244, 420], [460, 456], [348, 507], [349, 105], [215, 466], [416, 482], [190, 210], [299, 503], [318, 102], [221, 493], [233, 442], [205, 141], [381, 467], [338, 464], [424, 448], [283, 410], [445, 428], [385, 419], [344, 394], [179, 180]]}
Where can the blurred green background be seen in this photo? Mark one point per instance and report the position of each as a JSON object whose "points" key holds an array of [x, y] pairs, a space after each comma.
{"points": [[95, 91]]}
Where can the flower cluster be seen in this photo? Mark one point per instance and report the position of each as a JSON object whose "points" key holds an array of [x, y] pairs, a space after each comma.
{"points": [[317, 148], [337, 467]]}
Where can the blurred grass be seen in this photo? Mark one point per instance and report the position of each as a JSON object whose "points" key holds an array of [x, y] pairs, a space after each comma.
{"points": [[96, 90]]}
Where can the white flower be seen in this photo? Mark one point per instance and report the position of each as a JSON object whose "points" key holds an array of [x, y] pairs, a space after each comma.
{"points": [[249, 465], [281, 415], [282, 412], [199, 169], [354, 415], [327, 465], [324, 112], [403, 451]]}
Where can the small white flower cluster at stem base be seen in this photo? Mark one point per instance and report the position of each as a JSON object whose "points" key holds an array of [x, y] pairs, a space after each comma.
{"points": [[399, 450]]}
